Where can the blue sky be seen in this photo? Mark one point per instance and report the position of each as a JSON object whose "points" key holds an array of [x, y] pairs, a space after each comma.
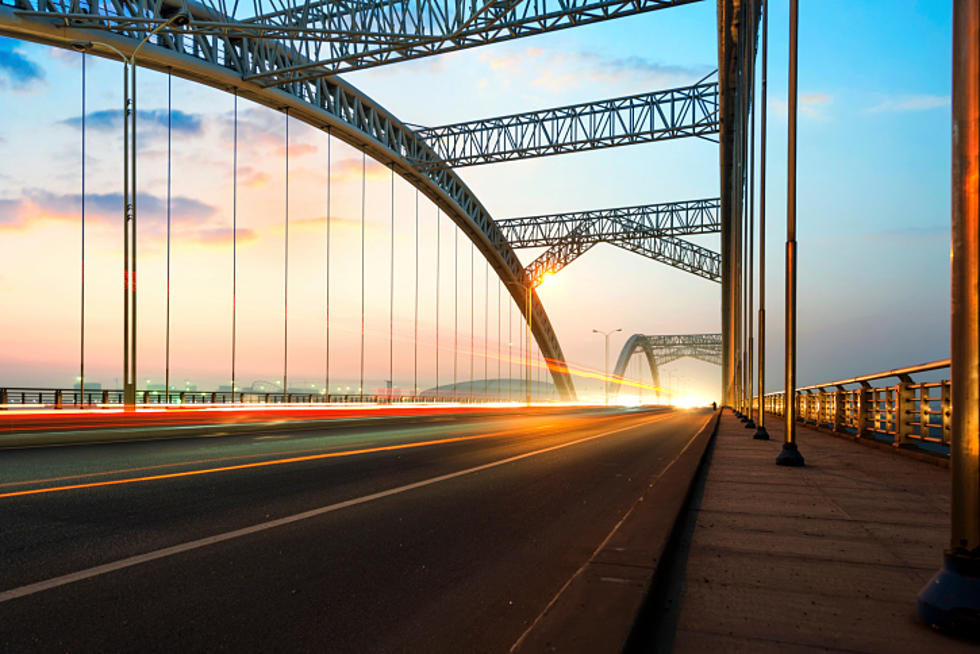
{"points": [[873, 197]]}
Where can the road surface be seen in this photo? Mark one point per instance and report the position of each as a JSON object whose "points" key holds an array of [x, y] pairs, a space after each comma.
{"points": [[440, 534]]}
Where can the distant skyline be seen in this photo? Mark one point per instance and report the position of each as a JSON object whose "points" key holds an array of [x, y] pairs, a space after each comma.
{"points": [[873, 208]]}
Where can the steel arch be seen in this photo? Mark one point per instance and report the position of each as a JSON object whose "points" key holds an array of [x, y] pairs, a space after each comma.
{"points": [[334, 106], [661, 349]]}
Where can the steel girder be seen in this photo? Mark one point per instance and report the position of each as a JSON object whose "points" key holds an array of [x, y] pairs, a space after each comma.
{"points": [[650, 230], [336, 36], [661, 349], [642, 118], [333, 106], [664, 219]]}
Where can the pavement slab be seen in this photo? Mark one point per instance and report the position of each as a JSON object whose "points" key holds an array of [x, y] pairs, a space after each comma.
{"points": [[828, 557]]}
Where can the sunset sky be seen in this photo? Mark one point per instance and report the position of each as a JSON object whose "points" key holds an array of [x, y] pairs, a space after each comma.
{"points": [[873, 209]]}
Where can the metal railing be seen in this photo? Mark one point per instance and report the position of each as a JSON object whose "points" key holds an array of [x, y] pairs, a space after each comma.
{"points": [[905, 414], [67, 398]]}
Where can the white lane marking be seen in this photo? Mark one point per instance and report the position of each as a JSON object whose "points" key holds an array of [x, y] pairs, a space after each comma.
{"points": [[595, 552], [128, 562]]}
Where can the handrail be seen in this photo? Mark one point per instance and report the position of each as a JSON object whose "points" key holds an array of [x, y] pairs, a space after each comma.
{"points": [[904, 413], [895, 372]]}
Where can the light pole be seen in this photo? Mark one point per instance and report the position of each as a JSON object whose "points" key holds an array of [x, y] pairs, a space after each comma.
{"points": [[606, 335], [179, 19]]}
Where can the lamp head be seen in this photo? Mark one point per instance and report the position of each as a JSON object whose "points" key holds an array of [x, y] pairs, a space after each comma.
{"points": [[80, 46]]}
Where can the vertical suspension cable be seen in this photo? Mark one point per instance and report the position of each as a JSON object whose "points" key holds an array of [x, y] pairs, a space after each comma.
{"points": [[415, 333], [510, 350], [498, 338], [285, 276], [455, 309], [234, 247], [391, 295], [326, 377], [486, 318], [360, 387], [81, 319], [472, 332], [438, 275], [166, 374]]}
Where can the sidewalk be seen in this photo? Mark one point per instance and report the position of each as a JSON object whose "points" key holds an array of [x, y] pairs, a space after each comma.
{"points": [[830, 556]]}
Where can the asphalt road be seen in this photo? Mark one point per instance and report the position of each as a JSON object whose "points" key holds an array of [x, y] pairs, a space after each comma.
{"points": [[440, 534]]}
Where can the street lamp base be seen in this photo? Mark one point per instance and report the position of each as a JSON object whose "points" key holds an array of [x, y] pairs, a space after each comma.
{"points": [[743, 417], [790, 456], [951, 599], [750, 424], [761, 434]]}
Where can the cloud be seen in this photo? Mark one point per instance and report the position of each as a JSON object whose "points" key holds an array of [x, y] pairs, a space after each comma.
{"points": [[192, 219], [16, 69], [110, 120], [910, 103], [318, 223], [811, 105], [349, 169], [251, 178], [562, 70]]}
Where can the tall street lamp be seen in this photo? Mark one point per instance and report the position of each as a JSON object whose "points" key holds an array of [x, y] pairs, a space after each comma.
{"points": [[179, 19], [606, 335]]}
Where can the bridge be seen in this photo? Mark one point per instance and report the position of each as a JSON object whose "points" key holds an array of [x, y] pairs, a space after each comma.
{"points": [[386, 445]]}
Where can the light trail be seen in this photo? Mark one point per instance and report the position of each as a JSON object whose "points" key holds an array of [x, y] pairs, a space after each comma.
{"points": [[260, 464]]}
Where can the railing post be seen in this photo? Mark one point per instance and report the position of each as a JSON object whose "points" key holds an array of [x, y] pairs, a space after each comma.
{"points": [[4, 398], [57, 399], [840, 415], [862, 410], [904, 401], [947, 412]]}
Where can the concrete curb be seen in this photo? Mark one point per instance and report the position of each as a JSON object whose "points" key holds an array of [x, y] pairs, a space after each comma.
{"points": [[595, 612]]}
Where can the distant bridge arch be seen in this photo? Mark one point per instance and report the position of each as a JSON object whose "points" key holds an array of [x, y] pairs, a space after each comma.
{"points": [[327, 103], [661, 349]]}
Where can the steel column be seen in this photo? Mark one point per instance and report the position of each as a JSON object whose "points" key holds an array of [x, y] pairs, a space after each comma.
{"points": [[790, 454], [951, 599]]}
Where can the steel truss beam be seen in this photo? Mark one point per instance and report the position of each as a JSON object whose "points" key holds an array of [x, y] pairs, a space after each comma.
{"points": [[643, 118], [650, 230], [333, 106], [336, 36], [663, 219], [661, 349]]}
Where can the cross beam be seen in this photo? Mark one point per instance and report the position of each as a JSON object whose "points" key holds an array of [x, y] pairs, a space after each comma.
{"points": [[328, 37], [663, 219], [643, 118]]}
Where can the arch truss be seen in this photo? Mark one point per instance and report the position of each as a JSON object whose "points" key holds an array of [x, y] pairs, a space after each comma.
{"points": [[661, 349]]}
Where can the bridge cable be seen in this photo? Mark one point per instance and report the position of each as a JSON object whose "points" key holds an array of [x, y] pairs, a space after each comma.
{"points": [[285, 275], [472, 331], [499, 284], [486, 318], [360, 388], [166, 375], [455, 308], [234, 244], [81, 358], [510, 350], [438, 276], [391, 295], [415, 334], [327, 266]]}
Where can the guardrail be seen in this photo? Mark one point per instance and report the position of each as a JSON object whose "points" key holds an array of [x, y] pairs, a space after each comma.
{"points": [[62, 398], [907, 414]]}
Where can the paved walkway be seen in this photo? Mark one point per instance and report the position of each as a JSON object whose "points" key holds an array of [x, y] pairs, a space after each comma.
{"points": [[827, 557]]}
